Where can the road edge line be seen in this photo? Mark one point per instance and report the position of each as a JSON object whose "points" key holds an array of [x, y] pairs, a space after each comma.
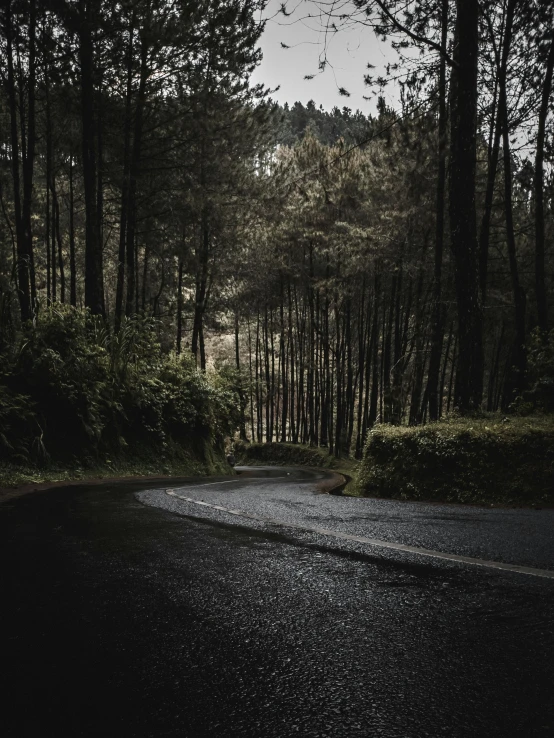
{"points": [[529, 570]]}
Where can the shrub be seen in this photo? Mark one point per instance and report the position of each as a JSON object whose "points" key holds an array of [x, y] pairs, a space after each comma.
{"points": [[282, 454], [541, 374], [85, 390], [489, 459], [20, 432]]}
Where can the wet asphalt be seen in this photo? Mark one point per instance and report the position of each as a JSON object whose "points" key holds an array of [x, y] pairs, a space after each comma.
{"points": [[128, 612]]}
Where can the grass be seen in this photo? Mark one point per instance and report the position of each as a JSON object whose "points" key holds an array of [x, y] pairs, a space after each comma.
{"points": [[490, 459]]}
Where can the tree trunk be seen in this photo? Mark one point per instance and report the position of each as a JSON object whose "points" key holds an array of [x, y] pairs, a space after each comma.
{"points": [[131, 246], [125, 181], [540, 286], [58, 240], [72, 265], [469, 374], [519, 352], [22, 203], [179, 308], [94, 285], [437, 316], [242, 401]]}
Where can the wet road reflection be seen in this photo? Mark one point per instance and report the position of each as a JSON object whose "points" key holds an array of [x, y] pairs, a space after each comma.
{"points": [[125, 619]]}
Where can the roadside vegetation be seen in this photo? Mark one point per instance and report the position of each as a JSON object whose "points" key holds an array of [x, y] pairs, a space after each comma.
{"points": [[77, 399], [491, 459], [291, 454], [183, 259]]}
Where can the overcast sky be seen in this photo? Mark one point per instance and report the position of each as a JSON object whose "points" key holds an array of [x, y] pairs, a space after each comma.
{"points": [[348, 52]]}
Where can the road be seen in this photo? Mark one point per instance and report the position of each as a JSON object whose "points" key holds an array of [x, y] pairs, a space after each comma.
{"points": [[130, 611]]}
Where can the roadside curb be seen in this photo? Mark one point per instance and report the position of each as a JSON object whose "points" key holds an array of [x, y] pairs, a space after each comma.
{"points": [[335, 485], [10, 493]]}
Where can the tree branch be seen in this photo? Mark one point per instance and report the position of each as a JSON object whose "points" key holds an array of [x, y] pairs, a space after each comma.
{"points": [[415, 36]]}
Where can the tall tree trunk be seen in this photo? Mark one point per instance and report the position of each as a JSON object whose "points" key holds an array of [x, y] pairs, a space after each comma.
{"points": [[258, 369], [284, 362], [386, 386], [47, 237], [517, 378], [519, 352], [251, 384], [268, 389], [131, 246], [363, 366], [52, 221], [145, 268], [50, 250], [127, 123], [202, 291], [72, 264], [437, 317], [242, 400], [179, 307], [444, 368], [493, 374], [469, 374], [495, 135], [29, 159], [540, 286], [94, 278], [292, 344], [373, 403], [26, 288], [58, 239]]}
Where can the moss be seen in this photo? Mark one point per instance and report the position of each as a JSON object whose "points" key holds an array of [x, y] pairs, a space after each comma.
{"points": [[488, 459]]}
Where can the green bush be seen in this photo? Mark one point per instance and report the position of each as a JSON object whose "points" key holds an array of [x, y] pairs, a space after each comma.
{"points": [[540, 395], [282, 454], [73, 388], [20, 433], [480, 460]]}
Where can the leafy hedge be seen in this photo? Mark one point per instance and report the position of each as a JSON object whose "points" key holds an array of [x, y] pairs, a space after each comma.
{"points": [[72, 389], [282, 454], [486, 460]]}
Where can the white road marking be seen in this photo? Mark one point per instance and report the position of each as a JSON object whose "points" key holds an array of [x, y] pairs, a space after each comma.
{"points": [[532, 571], [227, 481]]}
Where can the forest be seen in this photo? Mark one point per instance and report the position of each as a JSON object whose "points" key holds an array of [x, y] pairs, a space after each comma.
{"points": [[183, 258]]}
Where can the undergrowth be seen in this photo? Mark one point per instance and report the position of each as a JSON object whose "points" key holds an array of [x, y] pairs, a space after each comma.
{"points": [[75, 394]]}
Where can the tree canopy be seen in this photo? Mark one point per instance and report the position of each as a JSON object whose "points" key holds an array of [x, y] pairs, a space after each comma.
{"points": [[346, 269]]}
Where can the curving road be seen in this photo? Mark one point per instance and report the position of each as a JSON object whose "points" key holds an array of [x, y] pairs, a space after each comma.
{"points": [[257, 606]]}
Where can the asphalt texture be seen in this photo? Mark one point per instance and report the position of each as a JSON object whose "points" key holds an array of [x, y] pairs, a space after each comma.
{"points": [[128, 612]]}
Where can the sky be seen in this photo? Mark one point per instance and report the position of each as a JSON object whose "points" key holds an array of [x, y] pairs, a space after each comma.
{"points": [[348, 53]]}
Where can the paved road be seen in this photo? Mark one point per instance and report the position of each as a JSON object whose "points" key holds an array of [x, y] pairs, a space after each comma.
{"points": [[137, 613]]}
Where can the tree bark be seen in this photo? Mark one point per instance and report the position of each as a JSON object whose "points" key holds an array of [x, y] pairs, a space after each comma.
{"points": [[437, 316], [131, 246], [94, 278], [540, 285], [179, 308], [72, 264], [26, 289], [518, 376], [469, 374]]}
